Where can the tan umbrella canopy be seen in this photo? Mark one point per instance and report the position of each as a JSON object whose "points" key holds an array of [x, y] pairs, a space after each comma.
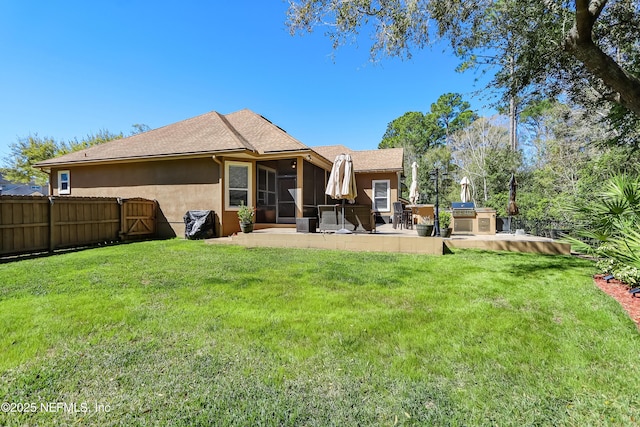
{"points": [[413, 191], [465, 192], [342, 179], [342, 183]]}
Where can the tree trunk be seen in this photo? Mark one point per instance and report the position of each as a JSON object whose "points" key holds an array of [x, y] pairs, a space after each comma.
{"points": [[486, 191], [513, 124], [513, 136]]}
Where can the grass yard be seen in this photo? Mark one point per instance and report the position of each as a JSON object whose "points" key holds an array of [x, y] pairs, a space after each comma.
{"points": [[183, 333]]}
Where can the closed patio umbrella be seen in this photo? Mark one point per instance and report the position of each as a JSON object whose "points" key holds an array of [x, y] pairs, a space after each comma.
{"points": [[342, 184], [413, 191], [512, 208], [333, 185], [465, 192]]}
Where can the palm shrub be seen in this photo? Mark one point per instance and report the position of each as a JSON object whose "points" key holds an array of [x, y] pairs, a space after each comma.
{"points": [[610, 227]]}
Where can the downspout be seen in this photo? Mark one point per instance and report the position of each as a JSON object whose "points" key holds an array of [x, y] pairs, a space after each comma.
{"points": [[49, 187], [221, 184], [220, 169], [215, 159]]}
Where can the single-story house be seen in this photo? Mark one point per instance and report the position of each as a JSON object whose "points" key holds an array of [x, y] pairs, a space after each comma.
{"points": [[218, 162]]}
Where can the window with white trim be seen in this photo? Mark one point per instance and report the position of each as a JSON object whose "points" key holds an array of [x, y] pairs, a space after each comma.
{"points": [[381, 195], [64, 182], [238, 184]]}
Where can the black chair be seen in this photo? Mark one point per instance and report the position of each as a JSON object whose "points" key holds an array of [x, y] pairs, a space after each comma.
{"points": [[398, 214], [407, 219]]}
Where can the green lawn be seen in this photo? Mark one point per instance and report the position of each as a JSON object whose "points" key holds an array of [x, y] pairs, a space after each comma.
{"points": [[183, 333]]}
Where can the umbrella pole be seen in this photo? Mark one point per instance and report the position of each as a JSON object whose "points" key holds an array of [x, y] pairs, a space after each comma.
{"points": [[343, 230]]}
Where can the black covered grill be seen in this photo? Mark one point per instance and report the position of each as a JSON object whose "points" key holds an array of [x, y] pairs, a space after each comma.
{"points": [[199, 225]]}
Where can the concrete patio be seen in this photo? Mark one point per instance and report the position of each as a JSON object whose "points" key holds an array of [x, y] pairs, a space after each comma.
{"points": [[388, 239]]}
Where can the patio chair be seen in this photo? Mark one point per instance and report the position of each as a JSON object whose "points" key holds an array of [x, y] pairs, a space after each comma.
{"points": [[399, 216], [407, 218]]}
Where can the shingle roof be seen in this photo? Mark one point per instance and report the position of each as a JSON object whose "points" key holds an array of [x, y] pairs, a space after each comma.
{"points": [[18, 189], [387, 159], [264, 136], [208, 133]]}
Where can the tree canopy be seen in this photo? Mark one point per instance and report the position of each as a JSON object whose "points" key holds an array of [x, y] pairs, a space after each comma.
{"points": [[482, 153], [18, 166], [585, 48], [417, 132], [560, 161], [424, 135], [24, 154]]}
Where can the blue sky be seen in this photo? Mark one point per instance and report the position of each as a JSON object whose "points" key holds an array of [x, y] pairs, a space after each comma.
{"points": [[72, 68]]}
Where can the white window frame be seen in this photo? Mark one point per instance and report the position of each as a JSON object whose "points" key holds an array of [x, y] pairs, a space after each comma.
{"points": [[67, 181], [387, 182], [249, 188]]}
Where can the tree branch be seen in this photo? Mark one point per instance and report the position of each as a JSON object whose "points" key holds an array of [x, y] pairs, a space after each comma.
{"points": [[579, 43]]}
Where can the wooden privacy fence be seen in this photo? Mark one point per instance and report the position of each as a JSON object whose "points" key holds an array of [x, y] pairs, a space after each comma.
{"points": [[31, 224]]}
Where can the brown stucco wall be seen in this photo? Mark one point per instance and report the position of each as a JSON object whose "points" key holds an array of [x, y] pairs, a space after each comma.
{"points": [[182, 185], [177, 185], [365, 187]]}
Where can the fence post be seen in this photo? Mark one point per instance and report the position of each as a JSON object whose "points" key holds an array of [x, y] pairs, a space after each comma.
{"points": [[123, 224], [52, 244]]}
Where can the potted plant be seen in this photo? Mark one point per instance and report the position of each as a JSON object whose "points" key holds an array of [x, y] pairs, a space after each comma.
{"points": [[245, 216], [424, 226], [444, 219]]}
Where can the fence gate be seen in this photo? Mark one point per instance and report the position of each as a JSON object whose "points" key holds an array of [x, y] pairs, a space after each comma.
{"points": [[138, 218]]}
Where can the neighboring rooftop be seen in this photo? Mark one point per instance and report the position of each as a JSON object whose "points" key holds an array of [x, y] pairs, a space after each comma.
{"points": [[17, 189], [382, 160]]}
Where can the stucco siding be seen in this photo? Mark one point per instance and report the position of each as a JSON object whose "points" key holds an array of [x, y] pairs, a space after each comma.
{"points": [[177, 185], [365, 187]]}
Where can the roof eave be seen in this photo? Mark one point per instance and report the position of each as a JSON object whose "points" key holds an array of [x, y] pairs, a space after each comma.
{"points": [[136, 159], [389, 170]]}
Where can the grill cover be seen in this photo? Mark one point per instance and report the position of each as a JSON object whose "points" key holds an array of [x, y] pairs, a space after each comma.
{"points": [[199, 225]]}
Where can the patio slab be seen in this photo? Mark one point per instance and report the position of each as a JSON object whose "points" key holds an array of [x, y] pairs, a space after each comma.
{"points": [[388, 239]]}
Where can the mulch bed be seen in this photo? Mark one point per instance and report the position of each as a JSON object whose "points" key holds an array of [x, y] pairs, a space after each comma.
{"points": [[620, 292]]}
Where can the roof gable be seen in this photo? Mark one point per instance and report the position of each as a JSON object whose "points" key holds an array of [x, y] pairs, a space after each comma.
{"points": [[264, 136], [209, 133], [385, 159]]}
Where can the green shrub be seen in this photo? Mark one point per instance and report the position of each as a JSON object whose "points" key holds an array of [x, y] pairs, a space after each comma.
{"points": [[612, 220], [245, 213], [444, 218], [623, 272]]}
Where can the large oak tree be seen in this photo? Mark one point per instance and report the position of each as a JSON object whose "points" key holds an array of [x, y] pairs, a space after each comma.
{"points": [[588, 49]]}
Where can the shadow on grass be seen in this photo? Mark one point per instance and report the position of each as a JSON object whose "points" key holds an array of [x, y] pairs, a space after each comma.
{"points": [[4, 259]]}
